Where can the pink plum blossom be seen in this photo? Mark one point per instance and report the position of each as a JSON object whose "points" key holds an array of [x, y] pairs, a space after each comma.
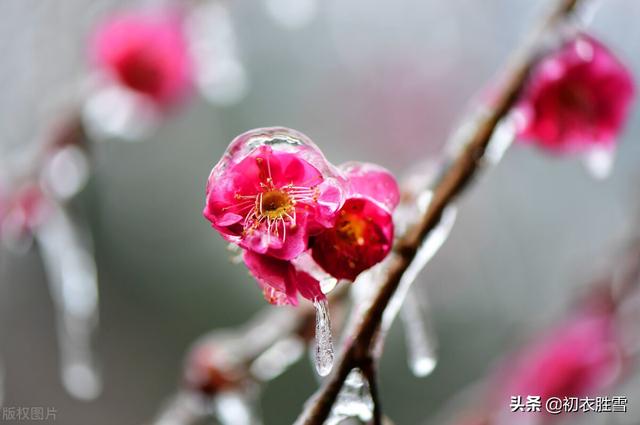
{"points": [[280, 281], [210, 369], [577, 99], [24, 211], [145, 53], [272, 189], [362, 234], [582, 357]]}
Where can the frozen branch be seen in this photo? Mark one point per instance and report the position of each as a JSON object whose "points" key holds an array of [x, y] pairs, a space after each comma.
{"points": [[468, 161]]}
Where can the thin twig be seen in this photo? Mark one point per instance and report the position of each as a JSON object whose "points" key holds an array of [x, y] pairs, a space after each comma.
{"points": [[356, 352]]}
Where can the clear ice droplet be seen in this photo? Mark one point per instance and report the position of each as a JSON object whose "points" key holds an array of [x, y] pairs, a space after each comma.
{"points": [[235, 408], [354, 400], [324, 354], [420, 337]]}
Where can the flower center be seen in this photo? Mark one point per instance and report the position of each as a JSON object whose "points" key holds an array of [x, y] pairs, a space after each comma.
{"points": [[274, 204], [578, 99], [351, 228]]}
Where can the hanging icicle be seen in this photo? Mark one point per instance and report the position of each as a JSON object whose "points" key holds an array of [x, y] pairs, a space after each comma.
{"points": [[324, 354], [429, 247], [419, 334], [72, 278]]}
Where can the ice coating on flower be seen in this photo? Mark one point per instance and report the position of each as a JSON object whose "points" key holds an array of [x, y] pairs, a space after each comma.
{"points": [[272, 189], [146, 53], [280, 281], [577, 98], [580, 358], [362, 234]]}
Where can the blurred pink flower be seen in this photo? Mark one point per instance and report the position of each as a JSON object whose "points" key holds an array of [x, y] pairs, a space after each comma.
{"points": [[578, 359], [23, 211], [577, 98], [362, 234], [280, 281], [270, 191], [209, 369], [146, 53]]}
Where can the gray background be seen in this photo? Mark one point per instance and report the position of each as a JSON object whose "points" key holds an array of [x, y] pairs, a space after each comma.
{"points": [[380, 81]]}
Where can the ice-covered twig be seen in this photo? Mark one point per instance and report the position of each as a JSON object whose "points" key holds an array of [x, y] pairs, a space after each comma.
{"points": [[468, 160]]}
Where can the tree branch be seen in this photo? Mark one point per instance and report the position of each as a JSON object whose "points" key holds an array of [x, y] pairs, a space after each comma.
{"points": [[356, 352]]}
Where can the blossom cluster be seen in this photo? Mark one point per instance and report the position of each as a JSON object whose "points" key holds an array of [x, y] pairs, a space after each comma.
{"points": [[296, 216]]}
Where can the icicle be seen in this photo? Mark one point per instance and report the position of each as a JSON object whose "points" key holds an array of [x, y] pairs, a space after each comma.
{"points": [[324, 341], [235, 408], [426, 251], [182, 409], [421, 341], [72, 278], [354, 400], [276, 359], [599, 163]]}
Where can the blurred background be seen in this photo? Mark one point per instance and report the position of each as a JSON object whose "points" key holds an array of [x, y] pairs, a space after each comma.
{"points": [[381, 81]]}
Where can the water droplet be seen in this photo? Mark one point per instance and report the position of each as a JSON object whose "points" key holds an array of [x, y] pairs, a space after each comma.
{"points": [[235, 408], [354, 400], [420, 337], [324, 341], [72, 278], [599, 162], [67, 171]]}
